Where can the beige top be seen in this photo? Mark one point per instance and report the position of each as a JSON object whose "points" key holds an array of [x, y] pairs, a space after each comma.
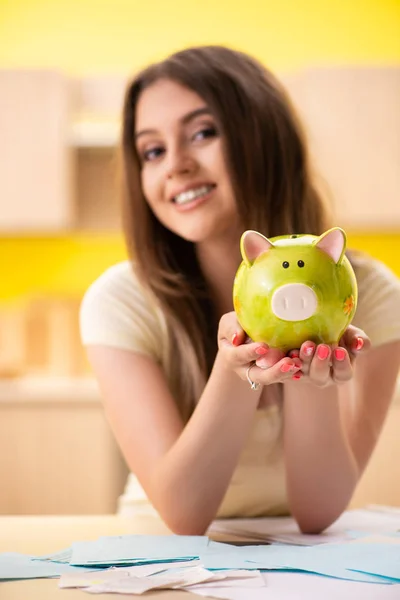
{"points": [[116, 312]]}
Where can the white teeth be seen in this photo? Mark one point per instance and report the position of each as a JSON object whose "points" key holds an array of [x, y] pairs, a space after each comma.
{"points": [[190, 195]]}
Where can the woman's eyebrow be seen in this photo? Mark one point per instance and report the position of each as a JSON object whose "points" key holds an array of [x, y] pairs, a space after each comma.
{"points": [[184, 120], [195, 113]]}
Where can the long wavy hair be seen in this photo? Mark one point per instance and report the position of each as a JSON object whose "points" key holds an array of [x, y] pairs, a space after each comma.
{"points": [[268, 163]]}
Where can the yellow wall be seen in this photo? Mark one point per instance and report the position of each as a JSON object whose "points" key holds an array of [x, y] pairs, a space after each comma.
{"points": [[108, 35], [67, 265], [93, 36], [63, 265]]}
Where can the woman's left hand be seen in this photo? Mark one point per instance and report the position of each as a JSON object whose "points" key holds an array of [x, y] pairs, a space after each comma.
{"points": [[325, 364]]}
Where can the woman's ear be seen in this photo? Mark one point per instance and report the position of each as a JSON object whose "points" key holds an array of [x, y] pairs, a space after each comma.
{"points": [[333, 243], [252, 245]]}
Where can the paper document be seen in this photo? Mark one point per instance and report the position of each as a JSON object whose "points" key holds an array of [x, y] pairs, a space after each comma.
{"points": [[21, 566], [129, 549], [285, 529]]}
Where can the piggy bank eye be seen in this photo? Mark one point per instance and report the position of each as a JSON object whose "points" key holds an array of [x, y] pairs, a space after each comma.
{"points": [[285, 264], [300, 263]]}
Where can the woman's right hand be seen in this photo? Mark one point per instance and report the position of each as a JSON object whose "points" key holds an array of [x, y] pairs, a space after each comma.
{"points": [[240, 352]]}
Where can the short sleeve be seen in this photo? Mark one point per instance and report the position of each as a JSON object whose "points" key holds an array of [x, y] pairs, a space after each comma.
{"points": [[378, 310], [116, 312]]}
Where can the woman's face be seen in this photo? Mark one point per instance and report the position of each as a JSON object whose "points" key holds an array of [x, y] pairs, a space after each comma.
{"points": [[183, 170]]}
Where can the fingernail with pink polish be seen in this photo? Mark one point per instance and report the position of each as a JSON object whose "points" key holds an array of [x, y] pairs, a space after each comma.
{"points": [[297, 376], [285, 368], [261, 350], [340, 354], [323, 352], [294, 353], [359, 344], [308, 350]]}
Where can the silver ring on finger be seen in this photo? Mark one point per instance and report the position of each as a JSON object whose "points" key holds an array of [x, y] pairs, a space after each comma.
{"points": [[253, 385]]}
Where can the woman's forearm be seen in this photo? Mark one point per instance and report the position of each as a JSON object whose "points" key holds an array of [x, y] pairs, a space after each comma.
{"points": [[191, 479], [321, 469]]}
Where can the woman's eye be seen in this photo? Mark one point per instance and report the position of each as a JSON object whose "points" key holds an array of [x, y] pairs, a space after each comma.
{"points": [[152, 153], [205, 132]]}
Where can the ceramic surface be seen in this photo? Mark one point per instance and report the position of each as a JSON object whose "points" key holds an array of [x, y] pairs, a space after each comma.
{"points": [[295, 288]]}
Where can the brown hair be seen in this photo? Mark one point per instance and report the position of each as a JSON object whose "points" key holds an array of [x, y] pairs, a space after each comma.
{"points": [[268, 163]]}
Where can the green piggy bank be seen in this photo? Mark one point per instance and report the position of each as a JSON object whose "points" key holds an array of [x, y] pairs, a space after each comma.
{"points": [[294, 288]]}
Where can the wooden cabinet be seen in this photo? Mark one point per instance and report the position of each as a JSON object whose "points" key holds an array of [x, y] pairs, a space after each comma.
{"points": [[58, 140], [35, 161], [352, 118], [58, 455], [96, 190], [94, 136]]}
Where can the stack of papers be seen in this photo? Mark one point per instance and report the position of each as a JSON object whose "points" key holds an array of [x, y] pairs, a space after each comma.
{"points": [[284, 530], [361, 549], [22, 566], [137, 549], [231, 571], [139, 579]]}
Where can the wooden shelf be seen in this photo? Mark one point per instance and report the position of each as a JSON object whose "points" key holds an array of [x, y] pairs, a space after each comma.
{"points": [[94, 134], [350, 114], [47, 389]]}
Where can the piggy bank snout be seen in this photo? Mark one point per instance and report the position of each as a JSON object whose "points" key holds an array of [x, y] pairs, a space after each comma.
{"points": [[294, 302]]}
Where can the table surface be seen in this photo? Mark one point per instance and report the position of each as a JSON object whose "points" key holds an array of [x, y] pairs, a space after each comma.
{"points": [[46, 534]]}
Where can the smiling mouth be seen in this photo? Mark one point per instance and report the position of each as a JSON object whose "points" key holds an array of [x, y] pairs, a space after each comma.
{"points": [[194, 194]]}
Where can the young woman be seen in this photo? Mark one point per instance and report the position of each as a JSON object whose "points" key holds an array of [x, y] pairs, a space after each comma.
{"points": [[211, 147]]}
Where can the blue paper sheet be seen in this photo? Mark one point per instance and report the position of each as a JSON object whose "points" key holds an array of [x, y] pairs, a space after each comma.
{"points": [[21, 566], [133, 549], [331, 560], [378, 559], [248, 557]]}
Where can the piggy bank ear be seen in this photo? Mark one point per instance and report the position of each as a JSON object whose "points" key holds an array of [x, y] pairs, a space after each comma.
{"points": [[252, 244], [333, 243]]}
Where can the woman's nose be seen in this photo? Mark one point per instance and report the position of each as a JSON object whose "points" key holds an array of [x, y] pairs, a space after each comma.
{"points": [[180, 163]]}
